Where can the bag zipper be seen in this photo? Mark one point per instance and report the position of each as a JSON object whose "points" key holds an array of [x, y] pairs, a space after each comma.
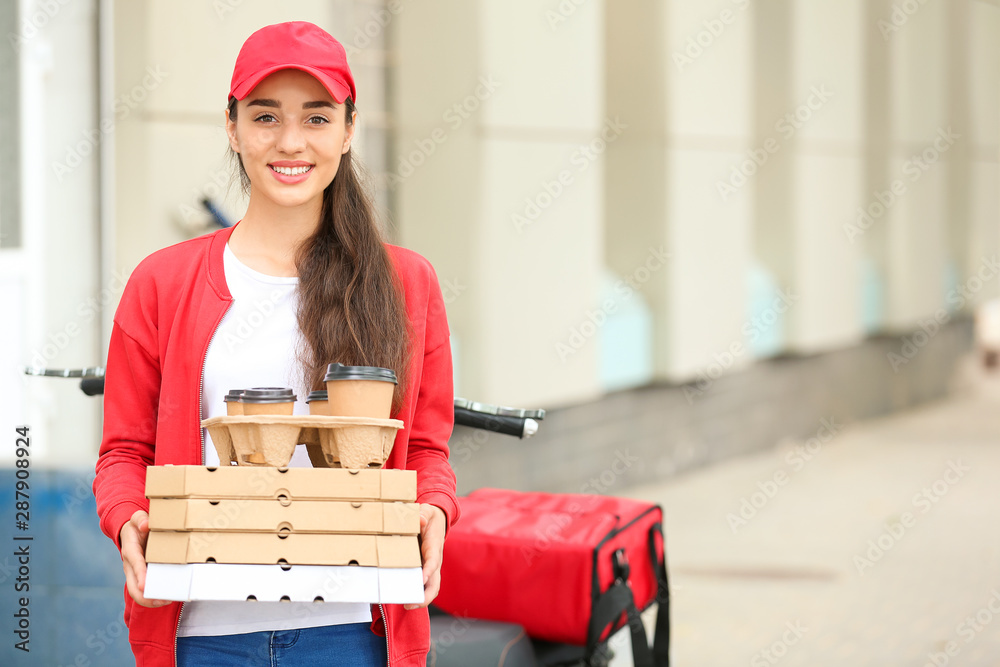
{"points": [[201, 384]]}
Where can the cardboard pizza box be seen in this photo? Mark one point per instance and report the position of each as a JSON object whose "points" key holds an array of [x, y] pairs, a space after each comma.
{"points": [[292, 483], [288, 516], [285, 549], [274, 583]]}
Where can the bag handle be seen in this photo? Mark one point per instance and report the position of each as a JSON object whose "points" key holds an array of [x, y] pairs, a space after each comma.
{"points": [[661, 638], [616, 599]]}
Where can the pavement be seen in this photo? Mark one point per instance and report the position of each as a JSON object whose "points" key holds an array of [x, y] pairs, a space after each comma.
{"points": [[873, 543]]}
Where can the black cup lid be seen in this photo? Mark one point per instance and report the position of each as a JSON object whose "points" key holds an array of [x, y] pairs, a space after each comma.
{"points": [[317, 395], [337, 371], [234, 396], [268, 395]]}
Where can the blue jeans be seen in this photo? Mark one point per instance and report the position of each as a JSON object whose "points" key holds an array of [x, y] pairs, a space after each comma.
{"points": [[348, 645]]}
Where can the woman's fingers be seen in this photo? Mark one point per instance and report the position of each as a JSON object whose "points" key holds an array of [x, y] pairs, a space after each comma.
{"points": [[432, 531], [133, 539], [432, 587]]}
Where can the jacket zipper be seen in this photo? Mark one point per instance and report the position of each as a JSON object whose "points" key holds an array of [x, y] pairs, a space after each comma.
{"points": [[201, 384], [385, 624], [176, 630]]}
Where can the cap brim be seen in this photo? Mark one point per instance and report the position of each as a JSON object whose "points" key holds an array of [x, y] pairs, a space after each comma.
{"points": [[338, 91]]}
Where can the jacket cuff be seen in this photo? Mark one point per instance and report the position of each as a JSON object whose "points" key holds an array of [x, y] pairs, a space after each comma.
{"points": [[446, 501], [117, 517]]}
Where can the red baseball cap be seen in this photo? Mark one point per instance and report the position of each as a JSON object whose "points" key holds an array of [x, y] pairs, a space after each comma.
{"points": [[293, 45]]}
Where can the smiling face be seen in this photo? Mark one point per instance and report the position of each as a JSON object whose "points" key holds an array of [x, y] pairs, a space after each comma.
{"points": [[290, 134]]}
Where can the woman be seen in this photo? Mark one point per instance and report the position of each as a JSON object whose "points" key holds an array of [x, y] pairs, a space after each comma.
{"points": [[308, 248]]}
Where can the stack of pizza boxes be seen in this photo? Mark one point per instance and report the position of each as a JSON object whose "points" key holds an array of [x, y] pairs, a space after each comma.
{"points": [[343, 530]]}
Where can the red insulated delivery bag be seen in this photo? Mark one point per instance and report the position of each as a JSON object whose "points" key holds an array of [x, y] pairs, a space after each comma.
{"points": [[569, 568]]}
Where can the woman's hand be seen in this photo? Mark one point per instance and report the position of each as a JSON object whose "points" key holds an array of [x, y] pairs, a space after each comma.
{"points": [[432, 529], [133, 538]]}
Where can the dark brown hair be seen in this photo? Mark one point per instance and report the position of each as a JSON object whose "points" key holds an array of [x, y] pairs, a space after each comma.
{"points": [[351, 305]]}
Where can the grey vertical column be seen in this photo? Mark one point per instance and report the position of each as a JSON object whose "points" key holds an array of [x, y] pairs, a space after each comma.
{"points": [[776, 229], [916, 259], [975, 38], [868, 228], [823, 130], [636, 236], [498, 173], [681, 74]]}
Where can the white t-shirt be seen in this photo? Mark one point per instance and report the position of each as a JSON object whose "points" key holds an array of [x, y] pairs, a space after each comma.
{"points": [[255, 346]]}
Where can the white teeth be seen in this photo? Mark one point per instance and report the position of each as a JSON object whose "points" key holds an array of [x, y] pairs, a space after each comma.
{"points": [[291, 171]]}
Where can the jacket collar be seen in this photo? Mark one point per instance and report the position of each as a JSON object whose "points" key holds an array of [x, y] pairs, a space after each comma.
{"points": [[216, 267]]}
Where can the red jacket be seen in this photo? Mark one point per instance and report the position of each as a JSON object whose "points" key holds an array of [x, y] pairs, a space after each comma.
{"points": [[168, 312]]}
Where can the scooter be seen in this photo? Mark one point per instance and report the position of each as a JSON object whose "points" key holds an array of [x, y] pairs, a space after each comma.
{"points": [[460, 642]]}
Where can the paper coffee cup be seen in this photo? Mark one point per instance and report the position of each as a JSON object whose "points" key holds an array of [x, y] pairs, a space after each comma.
{"points": [[318, 403], [268, 401], [233, 404], [360, 391]]}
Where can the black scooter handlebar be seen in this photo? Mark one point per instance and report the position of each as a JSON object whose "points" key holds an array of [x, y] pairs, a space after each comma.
{"points": [[507, 421]]}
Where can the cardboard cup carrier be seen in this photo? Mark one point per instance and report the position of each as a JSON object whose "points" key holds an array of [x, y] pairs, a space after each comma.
{"points": [[352, 429]]}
